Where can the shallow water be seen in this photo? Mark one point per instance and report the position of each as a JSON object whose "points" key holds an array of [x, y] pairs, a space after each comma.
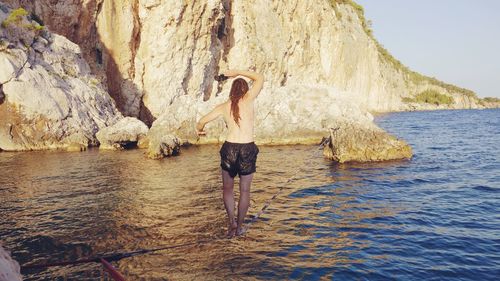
{"points": [[434, 217]]}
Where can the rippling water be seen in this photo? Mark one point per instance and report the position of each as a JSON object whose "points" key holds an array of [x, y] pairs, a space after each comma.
{"points": [[434, 217]]}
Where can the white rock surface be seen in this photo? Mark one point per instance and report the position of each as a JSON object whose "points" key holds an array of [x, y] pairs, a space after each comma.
{"points": [[124, 132], [51, 100], [302, 119], [363, 142], [167, 49], [158, 59], [162, 145]]}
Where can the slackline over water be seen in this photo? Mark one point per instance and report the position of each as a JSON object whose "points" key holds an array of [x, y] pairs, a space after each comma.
{"points": [[110, 257]]}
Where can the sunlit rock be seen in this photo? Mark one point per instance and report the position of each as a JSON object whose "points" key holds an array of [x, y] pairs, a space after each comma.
{"points": [[124, 133], [49, 98], [158, 60], [351, 142], [162, 145]]}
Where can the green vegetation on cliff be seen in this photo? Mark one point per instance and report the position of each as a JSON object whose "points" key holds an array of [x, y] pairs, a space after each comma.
{"points": [[430, 96], [491, 99], [359, 10], [16, 17], [490, 102], [411, 76]]}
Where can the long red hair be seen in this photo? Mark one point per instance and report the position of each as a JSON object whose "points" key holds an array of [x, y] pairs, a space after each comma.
{"points": [[238, 90]]}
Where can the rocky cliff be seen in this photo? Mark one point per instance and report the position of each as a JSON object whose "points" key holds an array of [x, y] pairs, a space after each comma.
{"points": [[152, 51], [158, 59], [49, 98]]}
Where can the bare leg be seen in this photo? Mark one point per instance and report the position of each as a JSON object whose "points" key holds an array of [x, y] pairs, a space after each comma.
{"points": [[245, 182], [228, 196]]}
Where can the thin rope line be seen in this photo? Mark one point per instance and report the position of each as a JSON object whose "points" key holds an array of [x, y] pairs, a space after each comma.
{"points": [[280, 190], [117, 256], [123, 255]]}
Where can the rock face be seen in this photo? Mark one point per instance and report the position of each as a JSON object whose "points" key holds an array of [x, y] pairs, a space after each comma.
{"points": [[161, 145], [126, 132], [302, 119], [50, 98], [152, 52], [158, 59], [351, 142], [9, 268]]}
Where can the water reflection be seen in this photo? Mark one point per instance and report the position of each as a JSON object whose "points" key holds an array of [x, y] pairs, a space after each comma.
{"points": [[68, 206], [432, 217]]}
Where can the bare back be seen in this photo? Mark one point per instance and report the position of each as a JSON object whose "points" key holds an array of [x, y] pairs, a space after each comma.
{"points": [[244, 132]]}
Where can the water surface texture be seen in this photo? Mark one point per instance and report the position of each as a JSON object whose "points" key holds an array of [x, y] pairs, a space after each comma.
{"points": [[435, 217]]}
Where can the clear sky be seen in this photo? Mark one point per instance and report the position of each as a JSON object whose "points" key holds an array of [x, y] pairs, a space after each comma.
{"points": [[456, 41]]}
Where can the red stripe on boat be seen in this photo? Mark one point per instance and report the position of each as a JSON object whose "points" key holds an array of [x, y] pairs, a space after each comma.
{"points": [[112, 271]]}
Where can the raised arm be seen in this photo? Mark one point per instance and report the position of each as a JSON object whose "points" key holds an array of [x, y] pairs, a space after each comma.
{"points": [[258, 81], [212, 115]]}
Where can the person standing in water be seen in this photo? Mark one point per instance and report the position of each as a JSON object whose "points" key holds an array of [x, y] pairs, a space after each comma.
{"points": [[239, 152]]}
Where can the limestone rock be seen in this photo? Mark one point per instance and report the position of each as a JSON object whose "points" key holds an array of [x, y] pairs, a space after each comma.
{"points": [[491, 102], [283, 116], [122, 134], [164, 50], [51, 100], [162, 145], [76, 147], [351, 142], [143, 142], [9, 268], [320, 63]]}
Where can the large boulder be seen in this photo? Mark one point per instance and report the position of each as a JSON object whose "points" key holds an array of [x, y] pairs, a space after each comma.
{"points": [[354, 142], [49, 98], [124, 133], [162, 145]]}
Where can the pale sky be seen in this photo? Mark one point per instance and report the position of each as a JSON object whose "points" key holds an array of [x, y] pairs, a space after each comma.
{"points": [[456, 41]]}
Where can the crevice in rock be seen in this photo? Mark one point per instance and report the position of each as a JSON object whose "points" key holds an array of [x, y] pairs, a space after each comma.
{"points": [[196, 36], [145, 114], [181, 15], [98, 10], [98, 56], [11, 135], [135, 41], [188, 75], [228, 38], [284, 79], [2, 95], [225, 41], [20, 70]]}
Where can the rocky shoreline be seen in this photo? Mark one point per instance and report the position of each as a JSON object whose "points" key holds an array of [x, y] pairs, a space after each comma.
{"points": [[119, 88]]}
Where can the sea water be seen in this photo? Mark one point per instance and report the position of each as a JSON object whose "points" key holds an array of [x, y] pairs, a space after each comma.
{"points": [[434, 217]]}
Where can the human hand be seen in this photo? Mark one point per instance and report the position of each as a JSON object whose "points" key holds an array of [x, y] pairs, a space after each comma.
{"points": [[199, 130]]}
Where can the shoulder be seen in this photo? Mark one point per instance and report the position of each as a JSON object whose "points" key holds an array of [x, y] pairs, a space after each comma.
{"points": [[247, 99], [221, 105]]}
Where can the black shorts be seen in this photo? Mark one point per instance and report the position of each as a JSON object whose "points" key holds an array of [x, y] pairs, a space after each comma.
{"points": [[238, 158]]}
